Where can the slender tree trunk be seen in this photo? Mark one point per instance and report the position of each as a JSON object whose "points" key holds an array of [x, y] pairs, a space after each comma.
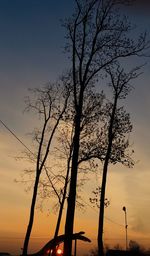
{"points": [[59, 218], [104, 179], [72, 189], [58, 224], [102, 203], [32, 209], [64, 197]]}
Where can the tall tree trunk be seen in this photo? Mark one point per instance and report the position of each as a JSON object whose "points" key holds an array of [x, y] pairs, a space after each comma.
{"points": [[72, 189], [104, 179], [29, 228]]}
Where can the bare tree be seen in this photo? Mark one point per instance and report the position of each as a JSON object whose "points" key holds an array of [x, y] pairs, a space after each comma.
{"points": [[97, 36], [50, 104]]}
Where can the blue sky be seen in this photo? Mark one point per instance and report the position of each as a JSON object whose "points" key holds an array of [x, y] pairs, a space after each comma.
{"points": [[31, 36], [31, 54], [31, 48]]}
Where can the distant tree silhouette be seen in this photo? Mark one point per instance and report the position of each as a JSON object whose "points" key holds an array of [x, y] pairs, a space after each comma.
{"points": [[134, 246], [97, 36], [137, 249], [118, 247]]}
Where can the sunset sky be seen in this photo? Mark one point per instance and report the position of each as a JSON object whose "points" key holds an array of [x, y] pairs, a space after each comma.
{"points": [[31, 54]]}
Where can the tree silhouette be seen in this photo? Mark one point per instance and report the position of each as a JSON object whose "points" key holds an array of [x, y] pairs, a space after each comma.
{"points": [[53, 184], [114, 133], [97, 36], [50, 104]]}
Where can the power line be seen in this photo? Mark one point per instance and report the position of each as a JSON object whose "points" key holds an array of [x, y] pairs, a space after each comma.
{"points": [[23, 144], [15, 136], [114, 222], [21, 237], [108, 219], [19, 140]]}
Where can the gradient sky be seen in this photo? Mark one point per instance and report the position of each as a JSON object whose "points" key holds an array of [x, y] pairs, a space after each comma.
{"points": [[31, 53]]}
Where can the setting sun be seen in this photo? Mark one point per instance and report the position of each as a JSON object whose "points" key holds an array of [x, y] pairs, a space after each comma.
{"points": [[59, 251]]}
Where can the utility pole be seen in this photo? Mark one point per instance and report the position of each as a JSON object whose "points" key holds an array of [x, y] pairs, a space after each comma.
{"points": [[126, 226]]}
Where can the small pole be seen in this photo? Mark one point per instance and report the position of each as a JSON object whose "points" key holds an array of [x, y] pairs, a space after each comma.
{"points": [[75, 247], [126, 226]]}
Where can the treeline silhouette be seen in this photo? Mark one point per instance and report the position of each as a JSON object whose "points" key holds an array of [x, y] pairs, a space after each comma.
{"points": [[134, 249]]}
